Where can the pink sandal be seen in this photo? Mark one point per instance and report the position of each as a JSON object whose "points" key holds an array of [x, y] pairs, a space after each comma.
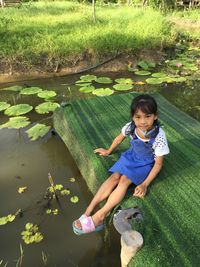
{"points": [[87, 225]]}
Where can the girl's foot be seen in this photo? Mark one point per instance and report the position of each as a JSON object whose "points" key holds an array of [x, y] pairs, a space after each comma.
{"points": [[96, 219]]}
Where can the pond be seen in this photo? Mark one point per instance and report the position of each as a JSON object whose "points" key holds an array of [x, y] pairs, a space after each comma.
{"points": [[24, 163]]}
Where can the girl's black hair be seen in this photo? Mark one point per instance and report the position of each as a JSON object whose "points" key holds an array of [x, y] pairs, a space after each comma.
{"points": [[146, 104]]}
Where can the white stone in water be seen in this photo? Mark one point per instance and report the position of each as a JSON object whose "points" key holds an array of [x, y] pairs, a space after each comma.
{"points": [[131, 242]]}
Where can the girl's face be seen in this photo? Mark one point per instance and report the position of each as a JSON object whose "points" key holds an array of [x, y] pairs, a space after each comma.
{"points": [[144, 121]]}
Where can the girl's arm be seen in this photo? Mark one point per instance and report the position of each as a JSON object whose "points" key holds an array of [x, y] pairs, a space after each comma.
{"points": [[115, 143], [140, 190]]}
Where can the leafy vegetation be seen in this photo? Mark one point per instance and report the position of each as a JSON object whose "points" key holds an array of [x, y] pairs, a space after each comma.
{"points": [[60, 32], [31, 234]]}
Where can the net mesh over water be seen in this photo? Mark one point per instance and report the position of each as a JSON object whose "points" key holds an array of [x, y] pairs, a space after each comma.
{"points": [[171, 208]]}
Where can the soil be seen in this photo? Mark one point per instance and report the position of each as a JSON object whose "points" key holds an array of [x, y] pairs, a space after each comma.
{"points": [[16, 71]]}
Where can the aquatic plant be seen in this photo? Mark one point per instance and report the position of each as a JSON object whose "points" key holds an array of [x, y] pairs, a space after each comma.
{"points": [[31, 234], [102, 92], [30, 91], [16, 123], [4, 105], [17, 110], [74, 199], [46, 94], [9, 218], [38, 130], [46, 107]]}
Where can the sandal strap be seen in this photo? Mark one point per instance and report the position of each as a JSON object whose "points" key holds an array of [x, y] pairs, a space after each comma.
{"points": [[87, 224]]}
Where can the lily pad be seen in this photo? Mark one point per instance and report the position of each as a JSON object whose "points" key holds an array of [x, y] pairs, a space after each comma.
{"points": [[103, 92], [17, 110], [180, 79], [38, 130], [87, 89], [145, 65], [105, 80], [154, 81], [46, 107], [88, 77], [30, 91], [46, 94], [159, 75], [4, 105], [83, 84], [72, 179], [74, 199], [142, 72], [122, 87], [124, 81], [16, 123], [15, 88]]}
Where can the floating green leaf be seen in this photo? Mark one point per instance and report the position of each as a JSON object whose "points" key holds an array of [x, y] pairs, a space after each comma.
{"points": [[72, 179], [122, 87], [154, 81], [103, 92], [65, 192], [38, 130], [30, 91], [9, 218], [74, 199], [17, 110], [87, 89], [145, 65], [105, 80], [15, 88], [52, 212], [124, 81], [46, 94], [31, 234], [142, 72], [159, 75], [4, 105], [46, 107], [16, 123], [83, 84], [56, 187], [88, 77], [180, 79]]}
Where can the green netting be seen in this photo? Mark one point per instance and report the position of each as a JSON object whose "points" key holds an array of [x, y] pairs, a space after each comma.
{"points": [[171, 208]]}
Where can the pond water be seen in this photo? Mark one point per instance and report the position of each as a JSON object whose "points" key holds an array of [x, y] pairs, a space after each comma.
{"points": [[26, 163]]}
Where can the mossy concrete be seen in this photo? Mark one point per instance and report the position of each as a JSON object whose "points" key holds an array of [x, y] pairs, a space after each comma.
{"points": [[171, 208]]}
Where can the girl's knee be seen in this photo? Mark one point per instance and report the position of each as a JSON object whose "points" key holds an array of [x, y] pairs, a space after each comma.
{"points": [[115, 177], [125, 181]]}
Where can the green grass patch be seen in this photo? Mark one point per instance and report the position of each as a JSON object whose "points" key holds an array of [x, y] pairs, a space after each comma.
{"points": [[47, 31]]}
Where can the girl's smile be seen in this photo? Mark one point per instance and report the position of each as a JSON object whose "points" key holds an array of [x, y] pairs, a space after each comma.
{"points": [[144, 121]]}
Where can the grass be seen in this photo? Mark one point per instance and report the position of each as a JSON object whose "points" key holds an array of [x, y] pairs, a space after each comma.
{"points": [[170, 225], [45, 32], [187, 22]]}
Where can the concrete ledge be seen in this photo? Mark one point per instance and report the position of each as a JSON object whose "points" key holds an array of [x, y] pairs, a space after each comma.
{"points": [[171, 208]]}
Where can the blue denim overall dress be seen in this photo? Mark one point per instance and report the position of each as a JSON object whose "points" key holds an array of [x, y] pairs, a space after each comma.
{"points": [[137, 161]]}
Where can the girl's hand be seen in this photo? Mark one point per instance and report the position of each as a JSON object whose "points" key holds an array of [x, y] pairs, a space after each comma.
{"points": [[140, 191], [102, 151]]}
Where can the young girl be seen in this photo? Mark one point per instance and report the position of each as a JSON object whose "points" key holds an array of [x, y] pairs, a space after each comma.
{"points": [[139, 165]]}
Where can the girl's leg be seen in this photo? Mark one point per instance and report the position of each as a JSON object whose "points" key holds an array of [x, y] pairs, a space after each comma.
{"points": [[104, 191], [115, 197]]}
